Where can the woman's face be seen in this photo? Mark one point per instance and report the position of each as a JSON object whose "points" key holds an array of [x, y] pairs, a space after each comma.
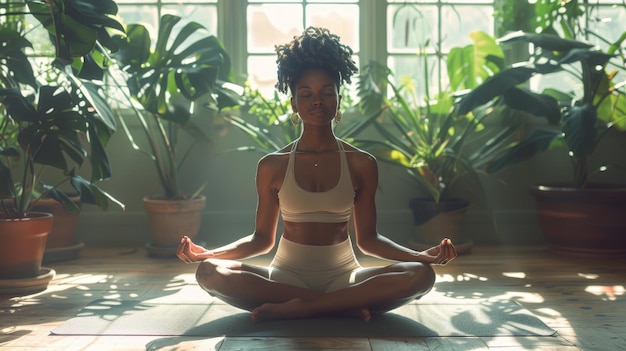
{"points": [[316, 97]]}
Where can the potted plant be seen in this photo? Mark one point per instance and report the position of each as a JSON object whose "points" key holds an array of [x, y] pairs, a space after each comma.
{"points": [[436, 146], [43, 126], [578, 215], [266, 120], [184, 69]]}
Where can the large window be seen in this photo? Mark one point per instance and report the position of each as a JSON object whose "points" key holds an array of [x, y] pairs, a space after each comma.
{"points": [[273, 22], [412, 37], [148, 12], [421, 33]]}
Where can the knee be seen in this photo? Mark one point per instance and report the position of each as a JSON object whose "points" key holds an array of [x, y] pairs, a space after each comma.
{"points": [[206, 275], [421, 280]]}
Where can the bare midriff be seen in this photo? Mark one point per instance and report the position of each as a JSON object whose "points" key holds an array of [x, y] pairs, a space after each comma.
{"points": [[315, 233]]}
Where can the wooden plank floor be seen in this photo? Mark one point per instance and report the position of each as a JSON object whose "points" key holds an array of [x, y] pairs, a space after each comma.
{"points": [[583, 299]]}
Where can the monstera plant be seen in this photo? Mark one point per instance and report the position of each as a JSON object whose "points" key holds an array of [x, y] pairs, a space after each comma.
{"points": [[53, 116], [185, 68]]}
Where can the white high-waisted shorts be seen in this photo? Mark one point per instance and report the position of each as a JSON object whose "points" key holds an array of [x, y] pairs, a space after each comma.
{"points": [[323, 268]]}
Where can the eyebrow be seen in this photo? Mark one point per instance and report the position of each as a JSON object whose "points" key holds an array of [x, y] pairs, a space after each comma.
{"points": [[323, 87]]}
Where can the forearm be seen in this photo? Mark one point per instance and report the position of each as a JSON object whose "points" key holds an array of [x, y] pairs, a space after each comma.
{"points": [[246, 247], [382, 247]]}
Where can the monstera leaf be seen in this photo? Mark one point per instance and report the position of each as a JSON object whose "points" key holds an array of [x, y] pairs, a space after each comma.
{"points": [[190, 63], [76, 27], [49, 130]]}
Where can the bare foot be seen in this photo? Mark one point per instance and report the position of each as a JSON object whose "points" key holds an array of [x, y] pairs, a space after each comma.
{"points": [[298, 308], [362, 314], [292, 309]]}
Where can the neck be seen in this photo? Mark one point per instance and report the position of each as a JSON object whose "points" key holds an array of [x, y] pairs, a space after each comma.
{"points": [[317, 141]]}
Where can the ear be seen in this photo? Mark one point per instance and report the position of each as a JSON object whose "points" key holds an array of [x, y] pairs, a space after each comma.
{"points": [[293, 104]]}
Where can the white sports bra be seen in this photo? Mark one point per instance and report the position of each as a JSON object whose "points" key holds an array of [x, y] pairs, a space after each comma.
{"points": [[332, 206]]}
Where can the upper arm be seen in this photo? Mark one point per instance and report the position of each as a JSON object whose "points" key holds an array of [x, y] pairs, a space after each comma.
{"points": [[365, 167], [267, 201]]}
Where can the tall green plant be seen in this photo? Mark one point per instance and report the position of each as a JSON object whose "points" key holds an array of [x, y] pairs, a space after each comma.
{"points": [[579, 119], [168, 81], [426, 137], [55, 118], [266, 121]]}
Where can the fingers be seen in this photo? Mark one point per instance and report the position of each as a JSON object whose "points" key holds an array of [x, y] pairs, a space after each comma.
{"points": [[452, 249], [447, 252], [182, 250]]}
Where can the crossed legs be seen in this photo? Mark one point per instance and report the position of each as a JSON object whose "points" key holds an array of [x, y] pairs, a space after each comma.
{"points": [[376, 290]]}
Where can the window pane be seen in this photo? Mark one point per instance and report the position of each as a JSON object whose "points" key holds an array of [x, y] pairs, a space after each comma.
{"points": [[333, 1], [272, 24], [262, 73], [188, 1], [120, 2], [609, 22], [144, 14], [459, 21], [38, 36], [471, 1], [411, 27], [342, 20], [263, 1], [412, 1], [413, 67], [205, 15]]}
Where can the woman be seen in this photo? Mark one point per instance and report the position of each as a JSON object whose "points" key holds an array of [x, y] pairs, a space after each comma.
{"points": [[315, 183]]}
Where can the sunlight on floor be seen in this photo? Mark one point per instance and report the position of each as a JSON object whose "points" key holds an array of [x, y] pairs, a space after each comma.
{"points": [[517, 275], [608, 293], [448, 278]]}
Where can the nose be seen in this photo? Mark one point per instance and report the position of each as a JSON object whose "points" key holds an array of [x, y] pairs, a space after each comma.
{"points": [[317, 100]]}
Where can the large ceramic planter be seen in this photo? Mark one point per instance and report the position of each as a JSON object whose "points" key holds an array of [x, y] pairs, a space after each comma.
{"points": [[590, 221], [434, 221], [22, 245], [170, 220], [61, 244]]}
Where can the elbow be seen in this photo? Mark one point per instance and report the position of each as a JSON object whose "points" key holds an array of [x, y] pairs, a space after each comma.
{"points": [[366, 245], [263, 245], [267, 249]]}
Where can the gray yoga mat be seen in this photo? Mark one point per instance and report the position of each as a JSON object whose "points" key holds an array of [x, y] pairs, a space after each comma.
{"points": [[113, 317]]}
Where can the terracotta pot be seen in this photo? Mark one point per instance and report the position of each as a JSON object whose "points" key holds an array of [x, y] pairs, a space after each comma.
{"points": [[589, 221], [22, 244], [64, 225], [171, 219], [434, 221]]}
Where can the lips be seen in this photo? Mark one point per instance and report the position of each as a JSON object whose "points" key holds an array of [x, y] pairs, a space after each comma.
{"points": [[318, 111]]}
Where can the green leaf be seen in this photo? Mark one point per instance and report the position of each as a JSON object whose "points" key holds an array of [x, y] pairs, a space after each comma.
{"points": [[6, 178], [533, 103], [537, 142], [90, 193], [494, 86], [68, 204], [12, 45], [579, 129], [468, 66]]}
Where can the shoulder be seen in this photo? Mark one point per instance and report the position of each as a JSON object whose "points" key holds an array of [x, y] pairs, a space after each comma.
{"points": [[275, 162], [275, 157], [358, 158]]}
